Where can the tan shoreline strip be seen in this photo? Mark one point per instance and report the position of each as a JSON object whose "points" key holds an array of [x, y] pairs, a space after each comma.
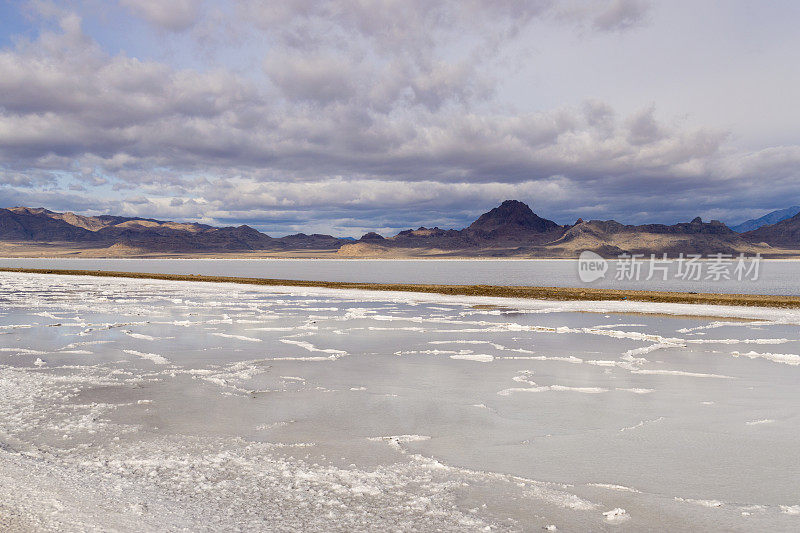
{"points": [[539, 293]]}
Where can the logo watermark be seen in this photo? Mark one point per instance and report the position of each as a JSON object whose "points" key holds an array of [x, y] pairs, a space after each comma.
{"points": [[591, 266], [685, 267]]}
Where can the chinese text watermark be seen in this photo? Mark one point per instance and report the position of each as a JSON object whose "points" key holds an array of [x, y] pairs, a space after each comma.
{"points": [[685, 267]]}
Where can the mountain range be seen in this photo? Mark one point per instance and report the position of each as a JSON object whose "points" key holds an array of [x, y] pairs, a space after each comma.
{"points": [[510, 230], [120, 234], [768, 219]]}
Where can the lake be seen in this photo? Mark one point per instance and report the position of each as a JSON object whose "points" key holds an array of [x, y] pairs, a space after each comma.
{"points": [[774, 277]]}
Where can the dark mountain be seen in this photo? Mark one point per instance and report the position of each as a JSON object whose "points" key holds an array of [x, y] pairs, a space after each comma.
{"points": [[510, 225], [695, 227], [436, 238], [22, 224], [511, 229], [39, 225], [610, 238], [770, 218], [372, 237], [514, 229], [783, 234], [510, 218], [166, 239], [315, 241]]}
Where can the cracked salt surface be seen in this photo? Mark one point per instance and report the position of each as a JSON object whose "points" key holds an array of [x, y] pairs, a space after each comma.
{"points": [[130, 415]]}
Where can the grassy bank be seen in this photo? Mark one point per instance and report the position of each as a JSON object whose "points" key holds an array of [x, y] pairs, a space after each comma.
{"points": [[539, 293]]}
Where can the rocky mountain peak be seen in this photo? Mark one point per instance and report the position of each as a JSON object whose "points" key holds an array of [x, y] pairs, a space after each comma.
{"points": [[512, 216]]}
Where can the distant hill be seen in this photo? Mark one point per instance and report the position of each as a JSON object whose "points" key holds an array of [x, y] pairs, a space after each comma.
{"points": [[39, 225], [770, 218], [784, 234], [510, 218], [23, 224], [511, 229], [610, 238]]}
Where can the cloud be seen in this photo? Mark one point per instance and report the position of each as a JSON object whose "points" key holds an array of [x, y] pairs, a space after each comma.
{"points": [[391, 26], [358, 115], [643, 127], [320, 78], [126, 117], [173, 15], [621, 15], [604, 15], [26, 179]]}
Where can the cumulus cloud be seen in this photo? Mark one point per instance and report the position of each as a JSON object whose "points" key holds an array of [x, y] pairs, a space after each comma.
{"points": [[621, 15], [121, 113], [605, 15], [318, 78], [644, 128], [368, 114], [174, 15]]}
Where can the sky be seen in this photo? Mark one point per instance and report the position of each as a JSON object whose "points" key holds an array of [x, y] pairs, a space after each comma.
{"points": [[350, 116]]}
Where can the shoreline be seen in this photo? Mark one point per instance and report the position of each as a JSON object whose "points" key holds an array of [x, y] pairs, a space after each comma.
{"points": [[523, 292]]}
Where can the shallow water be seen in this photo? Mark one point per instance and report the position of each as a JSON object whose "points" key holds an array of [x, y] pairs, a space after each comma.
{"points": [[774, 277], [149, 405]]}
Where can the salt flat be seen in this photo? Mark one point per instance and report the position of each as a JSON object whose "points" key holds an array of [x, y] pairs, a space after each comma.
{"points": [[151, 405]]}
